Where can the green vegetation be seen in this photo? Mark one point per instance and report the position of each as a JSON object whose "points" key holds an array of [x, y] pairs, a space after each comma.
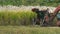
{"points": [[30, 2], [16, 18], [28, 30]]}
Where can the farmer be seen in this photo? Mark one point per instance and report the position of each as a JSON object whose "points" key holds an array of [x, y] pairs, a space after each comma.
{"points": [[40, 15], [46, 18]]}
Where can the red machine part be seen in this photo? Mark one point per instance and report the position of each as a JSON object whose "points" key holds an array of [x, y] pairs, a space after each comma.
{"points": [[57, 10], [55, 13]]}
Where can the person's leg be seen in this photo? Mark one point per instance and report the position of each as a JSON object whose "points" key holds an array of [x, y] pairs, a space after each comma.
{"points": [[40, 22], [37, 22], [34, 21], [46, 21]]}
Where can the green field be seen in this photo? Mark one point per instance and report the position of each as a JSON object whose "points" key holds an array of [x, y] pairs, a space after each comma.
{"points": [[29, 30]]}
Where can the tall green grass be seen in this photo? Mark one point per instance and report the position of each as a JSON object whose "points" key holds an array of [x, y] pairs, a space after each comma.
{"points": [[16, 17]]}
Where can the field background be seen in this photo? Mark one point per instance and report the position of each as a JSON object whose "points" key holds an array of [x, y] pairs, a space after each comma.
{"points": [[14, 20]]}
